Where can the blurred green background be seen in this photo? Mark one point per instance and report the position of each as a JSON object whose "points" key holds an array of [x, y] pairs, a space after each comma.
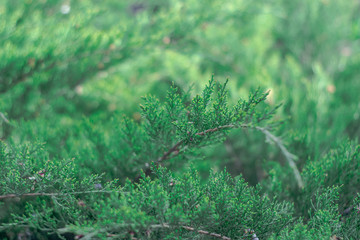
{"points": [[70, 70]]}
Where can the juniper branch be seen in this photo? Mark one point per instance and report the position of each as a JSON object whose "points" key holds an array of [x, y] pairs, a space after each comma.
{"points": [[48, 194], [93, 232], [203, 232], [288, 156], [175, 147], [219, 128], [215, 235], [170, 151], [4, 118], [203, 133]]}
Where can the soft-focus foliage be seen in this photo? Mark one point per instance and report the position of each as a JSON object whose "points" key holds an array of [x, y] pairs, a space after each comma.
{"points": [[80, 159]]}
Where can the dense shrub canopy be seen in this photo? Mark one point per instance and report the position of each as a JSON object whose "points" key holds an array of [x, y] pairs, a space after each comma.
{"points": [[179, 119]]}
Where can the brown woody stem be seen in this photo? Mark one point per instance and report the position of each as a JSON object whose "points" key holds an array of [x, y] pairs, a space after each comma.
{"points": [[48, 194]]}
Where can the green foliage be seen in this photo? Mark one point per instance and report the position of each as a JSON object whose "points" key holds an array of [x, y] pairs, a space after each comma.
{"points": [[156, 208], [324, 221], [340, 167], [64, 201], [179, 125], [80, 160]]}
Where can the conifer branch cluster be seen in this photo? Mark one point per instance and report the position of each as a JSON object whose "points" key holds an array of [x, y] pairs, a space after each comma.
{"points": [[159, 203], [80, 160], [181, 123]]}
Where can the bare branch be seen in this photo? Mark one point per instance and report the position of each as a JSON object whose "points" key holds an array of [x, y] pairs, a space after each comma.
{"points": [[4, 118], [171, 150], [217, 129], [178, 144], [288, 156], [215, 235], [49, 194], [93, 232]]}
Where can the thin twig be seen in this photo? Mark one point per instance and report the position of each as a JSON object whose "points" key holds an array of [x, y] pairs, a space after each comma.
{"points": [[288, 156], [93, 232], [215, 235], [217, 129], [175, 148], [203, 133], [4, 118], [171, 150], [48, 194]]}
